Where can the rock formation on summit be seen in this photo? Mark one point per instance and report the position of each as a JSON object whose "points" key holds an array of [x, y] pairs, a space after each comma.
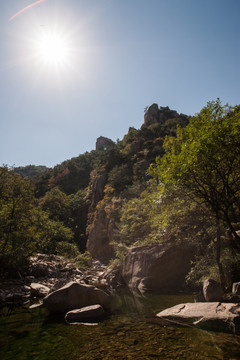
{"points": [[159, 115], [103, 143]]}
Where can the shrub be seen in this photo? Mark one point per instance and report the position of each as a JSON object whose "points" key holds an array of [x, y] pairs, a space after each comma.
{"points": [[68, 250]]}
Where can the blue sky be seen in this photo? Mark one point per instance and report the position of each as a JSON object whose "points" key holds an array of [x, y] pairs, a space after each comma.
{"points": [[121, 55]]}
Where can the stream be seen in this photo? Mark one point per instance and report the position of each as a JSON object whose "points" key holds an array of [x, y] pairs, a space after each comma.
{"points": [[134, 333]]}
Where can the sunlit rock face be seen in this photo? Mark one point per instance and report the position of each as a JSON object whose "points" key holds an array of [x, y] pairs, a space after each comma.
{"points": [[207, 315], [157, 268], [100, 223]]}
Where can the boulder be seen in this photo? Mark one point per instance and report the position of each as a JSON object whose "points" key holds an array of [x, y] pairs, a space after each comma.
{"points": [[157, 268], [236, 288], [39, 290], [207, 315], [86, 313], [74, 296], [212, 290]]}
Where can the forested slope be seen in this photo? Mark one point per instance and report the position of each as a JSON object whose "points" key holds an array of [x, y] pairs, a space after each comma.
{"points": [[176, 179]]}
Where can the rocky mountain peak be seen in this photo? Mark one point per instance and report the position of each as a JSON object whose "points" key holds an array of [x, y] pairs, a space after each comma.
{"points": [[154, 114], [104, 143]]}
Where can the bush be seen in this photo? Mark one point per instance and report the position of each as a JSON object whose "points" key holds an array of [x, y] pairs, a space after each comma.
{"points": [[67, 250], [84, 260]]}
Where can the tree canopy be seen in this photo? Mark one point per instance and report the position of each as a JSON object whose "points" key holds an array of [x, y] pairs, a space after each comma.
{"points": [[204, 159]]}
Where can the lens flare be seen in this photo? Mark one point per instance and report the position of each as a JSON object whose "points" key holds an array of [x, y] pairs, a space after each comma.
{"points": [[26, 8]]}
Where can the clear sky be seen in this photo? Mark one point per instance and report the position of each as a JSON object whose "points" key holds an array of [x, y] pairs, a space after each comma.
{"points": [[74, 70]]}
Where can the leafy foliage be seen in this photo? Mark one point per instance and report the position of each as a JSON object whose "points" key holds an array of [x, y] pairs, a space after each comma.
{"points": [[24, 227], [204, 158], [67, 250], [16, 204], [31, 171], [194, 195], [203, 161]]}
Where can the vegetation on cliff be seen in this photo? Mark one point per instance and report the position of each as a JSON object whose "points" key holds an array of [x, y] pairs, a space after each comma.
{"points": [[175, 179]]}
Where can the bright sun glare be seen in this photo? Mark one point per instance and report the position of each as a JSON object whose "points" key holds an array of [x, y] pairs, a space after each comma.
{"points": [[52, 49]]}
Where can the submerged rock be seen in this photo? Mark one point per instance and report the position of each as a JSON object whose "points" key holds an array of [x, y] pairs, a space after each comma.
{"points": [[207, 315], [85, 313], [74, 296]]}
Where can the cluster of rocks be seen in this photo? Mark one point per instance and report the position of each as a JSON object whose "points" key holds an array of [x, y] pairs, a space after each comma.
{"points": [[212, 312], [79, 302], [46, 274], [61, 287]]}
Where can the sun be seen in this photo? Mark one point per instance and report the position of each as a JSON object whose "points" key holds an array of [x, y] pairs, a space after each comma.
{"points": [[52, 49]]}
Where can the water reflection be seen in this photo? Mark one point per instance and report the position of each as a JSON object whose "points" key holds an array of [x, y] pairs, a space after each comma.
{"points": [[132, 333]]}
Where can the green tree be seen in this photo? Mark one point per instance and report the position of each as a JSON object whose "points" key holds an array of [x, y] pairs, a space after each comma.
{"points": [[24, 227], [48, 233], [16, 204], [204, 161], [71, 210], [79, 206], [138, 223], [57, 203]]}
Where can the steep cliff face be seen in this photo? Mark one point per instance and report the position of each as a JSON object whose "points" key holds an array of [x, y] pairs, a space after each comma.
{"points": [[101, 231], [125, 164], [96, 188], [98, 243], [101, 218]]}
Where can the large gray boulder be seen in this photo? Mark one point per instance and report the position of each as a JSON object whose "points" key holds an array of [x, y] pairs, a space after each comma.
{"points": [[212, 290], [74, 296], [83, 314], [207, 315], [156, 268]]}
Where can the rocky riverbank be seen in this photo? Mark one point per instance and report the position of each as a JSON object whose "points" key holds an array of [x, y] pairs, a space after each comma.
{"points": [[46, 274], [63, 287]]}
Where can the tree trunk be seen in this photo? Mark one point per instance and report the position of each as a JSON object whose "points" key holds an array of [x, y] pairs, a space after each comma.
{"points": [[236, 238], [218, 255]]}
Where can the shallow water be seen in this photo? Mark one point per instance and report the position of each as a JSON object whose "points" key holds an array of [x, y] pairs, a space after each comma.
{"points": [[133, 334]]}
